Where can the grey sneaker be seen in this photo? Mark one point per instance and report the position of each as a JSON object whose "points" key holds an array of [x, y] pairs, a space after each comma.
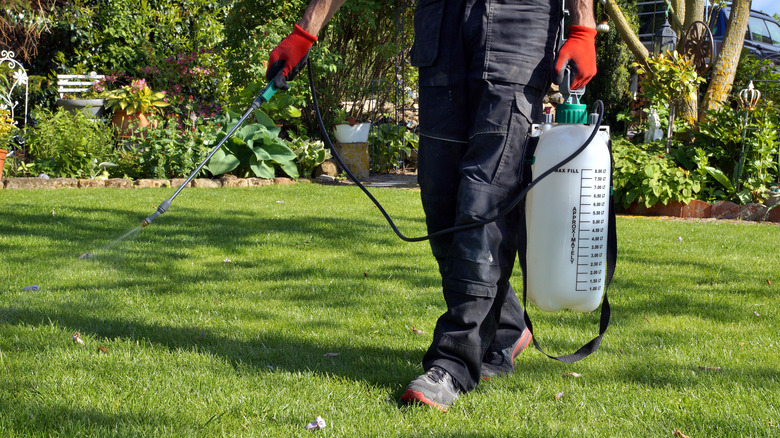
{"points": [[502, 362], [434, 388]]}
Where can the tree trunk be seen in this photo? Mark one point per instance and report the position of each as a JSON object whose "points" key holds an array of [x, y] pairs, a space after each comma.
{"points": [[624, 29], [726, 63], [694, 11]]}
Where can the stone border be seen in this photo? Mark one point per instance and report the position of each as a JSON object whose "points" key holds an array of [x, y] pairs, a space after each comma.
{"points": [[119, 183], [702, 210]]}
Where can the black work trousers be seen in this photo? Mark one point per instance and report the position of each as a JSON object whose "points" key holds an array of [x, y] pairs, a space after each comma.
{"points": [[484, 67]]}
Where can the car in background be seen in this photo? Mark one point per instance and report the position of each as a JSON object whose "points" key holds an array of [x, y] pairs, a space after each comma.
{"points": [[762, 37]]}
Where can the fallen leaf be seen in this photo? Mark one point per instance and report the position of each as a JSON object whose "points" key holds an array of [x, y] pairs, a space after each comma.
{"points": [[741, 344], [575, 375], [86, 255], [679, 434], [417, 331], [102, 349], [77, 338], [558, 395], [52, 212], [318, 423], [33, 287], [710, 368], [768, 281], [330, 354]]}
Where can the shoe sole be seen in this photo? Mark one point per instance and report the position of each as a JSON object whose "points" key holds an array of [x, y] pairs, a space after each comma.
{"points": [[412, 396], [525, 339]]}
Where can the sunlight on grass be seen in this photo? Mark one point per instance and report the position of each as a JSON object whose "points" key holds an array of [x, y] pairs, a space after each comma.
{"points": [[249, 312]]}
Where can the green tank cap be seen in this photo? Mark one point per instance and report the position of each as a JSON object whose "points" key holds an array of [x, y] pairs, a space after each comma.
{"points": [[571, 113]]}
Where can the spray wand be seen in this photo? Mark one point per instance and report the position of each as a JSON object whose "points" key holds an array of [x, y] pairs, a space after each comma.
{"points": [[264, 96]]}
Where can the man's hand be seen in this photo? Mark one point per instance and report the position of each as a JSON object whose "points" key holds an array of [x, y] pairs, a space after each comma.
{"points": [[289, 57], [580, 49]]}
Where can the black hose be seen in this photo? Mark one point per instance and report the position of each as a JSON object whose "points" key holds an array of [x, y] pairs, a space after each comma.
{"points": [[454, 229]]}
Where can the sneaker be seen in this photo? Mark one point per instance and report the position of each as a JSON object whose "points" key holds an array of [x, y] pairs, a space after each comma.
{"points": [[434, 388], [502, 362]]}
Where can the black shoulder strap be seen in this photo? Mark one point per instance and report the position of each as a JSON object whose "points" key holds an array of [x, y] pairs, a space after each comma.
{"points": [[611, 257]]}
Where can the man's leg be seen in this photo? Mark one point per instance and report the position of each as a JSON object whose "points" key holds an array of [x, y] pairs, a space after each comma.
{"points": [[479, 261]]}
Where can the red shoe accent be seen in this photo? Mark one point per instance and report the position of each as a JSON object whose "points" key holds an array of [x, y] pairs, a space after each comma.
{"points": [[411, 396], [525, 339]]}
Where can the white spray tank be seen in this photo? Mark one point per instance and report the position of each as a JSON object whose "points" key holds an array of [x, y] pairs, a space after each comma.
{"points": [[567, 212]]}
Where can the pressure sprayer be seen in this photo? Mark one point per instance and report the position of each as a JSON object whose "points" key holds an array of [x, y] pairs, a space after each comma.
{"points": [[567, 213], [570, 234]]}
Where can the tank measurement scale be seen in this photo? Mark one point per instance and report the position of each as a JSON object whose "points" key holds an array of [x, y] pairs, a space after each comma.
{"points": [[566, 220], [588, 245]]}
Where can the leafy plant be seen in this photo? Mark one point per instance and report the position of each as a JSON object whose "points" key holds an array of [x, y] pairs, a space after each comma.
{"points": [[390, 143], [671, 78], [740, 152], [68, 144], [311, 153], [7, 128], [168, 151], [254, 150], [136, 98], [647, 174]]}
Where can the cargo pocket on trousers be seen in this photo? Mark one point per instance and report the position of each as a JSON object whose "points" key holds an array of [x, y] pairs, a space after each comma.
{"points": [[428, 18], [509, 170]]}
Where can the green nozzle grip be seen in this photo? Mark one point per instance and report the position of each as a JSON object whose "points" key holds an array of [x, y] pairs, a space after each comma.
{"points": [[268, 92]]}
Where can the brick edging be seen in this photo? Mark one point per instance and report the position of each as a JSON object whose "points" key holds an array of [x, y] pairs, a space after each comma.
{"points": [[703, 210], [61, 183]]}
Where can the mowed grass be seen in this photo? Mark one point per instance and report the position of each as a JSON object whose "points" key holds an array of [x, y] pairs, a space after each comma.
{"points": [[250, 312]]}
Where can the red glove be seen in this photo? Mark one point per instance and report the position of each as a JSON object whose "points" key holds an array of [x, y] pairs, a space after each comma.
{"points": [[289, 57], [579, 48]]}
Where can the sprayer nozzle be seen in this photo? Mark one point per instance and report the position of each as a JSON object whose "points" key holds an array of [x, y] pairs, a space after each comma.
{"points": [[144, 223]]}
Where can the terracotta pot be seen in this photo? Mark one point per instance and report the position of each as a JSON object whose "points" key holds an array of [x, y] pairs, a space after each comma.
{"points": [[128, 124], [3, 152]]}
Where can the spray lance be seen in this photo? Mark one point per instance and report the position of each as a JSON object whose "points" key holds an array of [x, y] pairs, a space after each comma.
{"points": [[264, 96]]}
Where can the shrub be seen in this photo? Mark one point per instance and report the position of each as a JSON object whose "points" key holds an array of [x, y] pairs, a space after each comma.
{"points": [[255, 149], [66, 144], [169, 151], [390, 143], [741, 146], [310, 154], [172, 44], [645, 173]]}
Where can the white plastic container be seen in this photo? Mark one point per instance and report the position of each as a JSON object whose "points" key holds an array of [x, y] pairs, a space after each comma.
{"points": [[566, 220], [357, 133]]}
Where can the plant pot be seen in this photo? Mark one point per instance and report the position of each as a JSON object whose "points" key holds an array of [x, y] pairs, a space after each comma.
{"points": [[93, 108], [3, 152], [357, 133], [128, 124]]}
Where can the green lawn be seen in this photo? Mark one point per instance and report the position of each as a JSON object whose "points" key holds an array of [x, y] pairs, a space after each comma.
{"points": [[179, 341]]}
